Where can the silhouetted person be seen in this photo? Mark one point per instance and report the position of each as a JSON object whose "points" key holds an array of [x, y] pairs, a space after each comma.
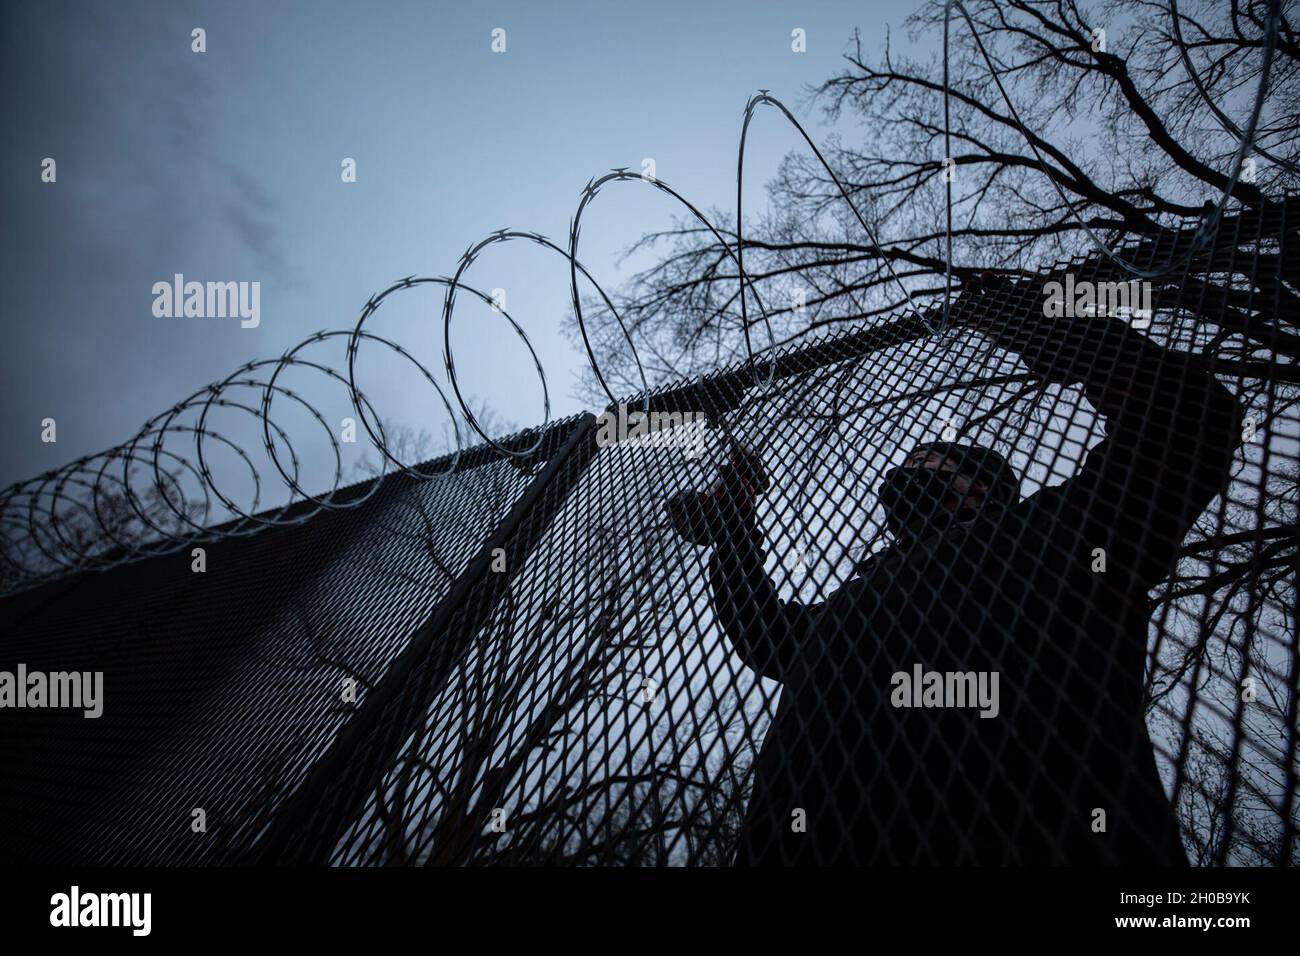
{"points": [[977, 580]]}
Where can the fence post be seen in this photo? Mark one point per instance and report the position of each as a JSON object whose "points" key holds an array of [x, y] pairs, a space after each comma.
{"points": [[306, 828]]}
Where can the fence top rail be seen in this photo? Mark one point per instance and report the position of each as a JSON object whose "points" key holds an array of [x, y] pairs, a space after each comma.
{"points": [[725, 388]]}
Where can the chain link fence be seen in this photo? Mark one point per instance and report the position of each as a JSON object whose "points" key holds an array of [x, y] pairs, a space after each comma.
{"points": [[805, 619]]}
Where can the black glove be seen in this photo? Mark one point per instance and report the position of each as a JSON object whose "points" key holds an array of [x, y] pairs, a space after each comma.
{"points": [[710, 517], [1061, 349]]}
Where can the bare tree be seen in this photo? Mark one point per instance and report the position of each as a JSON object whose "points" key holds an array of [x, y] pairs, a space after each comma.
{"points": [[1131, 135], [1121, 132]]}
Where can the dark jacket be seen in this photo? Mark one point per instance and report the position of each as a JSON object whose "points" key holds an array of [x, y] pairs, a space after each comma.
{"points": [[1012, 591]]}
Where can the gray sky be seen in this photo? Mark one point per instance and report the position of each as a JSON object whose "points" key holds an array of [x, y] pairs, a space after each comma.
{"points": [[225, 166]]}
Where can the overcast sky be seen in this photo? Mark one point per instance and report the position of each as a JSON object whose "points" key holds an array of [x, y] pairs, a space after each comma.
{"points": [[225, 166]]}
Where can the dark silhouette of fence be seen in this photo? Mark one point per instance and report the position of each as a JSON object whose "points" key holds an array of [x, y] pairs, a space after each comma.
{"points": [[522, 662]]}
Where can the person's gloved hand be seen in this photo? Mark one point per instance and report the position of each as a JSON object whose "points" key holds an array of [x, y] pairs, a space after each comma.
{"points": [[709, 517], [1061, 349]]}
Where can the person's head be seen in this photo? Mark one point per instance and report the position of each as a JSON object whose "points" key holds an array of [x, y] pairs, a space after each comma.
{"points": [[942, 483]]}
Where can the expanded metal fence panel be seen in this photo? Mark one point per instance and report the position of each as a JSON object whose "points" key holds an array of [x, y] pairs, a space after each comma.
{"points": [[221, 688], [666, 677], [1015, 590]]}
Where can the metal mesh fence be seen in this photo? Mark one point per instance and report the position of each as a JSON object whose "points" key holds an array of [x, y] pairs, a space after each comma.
{"points": [[224, 686], [818, 623]]}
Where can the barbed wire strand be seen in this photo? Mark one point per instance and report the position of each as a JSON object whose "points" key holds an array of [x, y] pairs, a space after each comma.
{"points": [[42, 508]]}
